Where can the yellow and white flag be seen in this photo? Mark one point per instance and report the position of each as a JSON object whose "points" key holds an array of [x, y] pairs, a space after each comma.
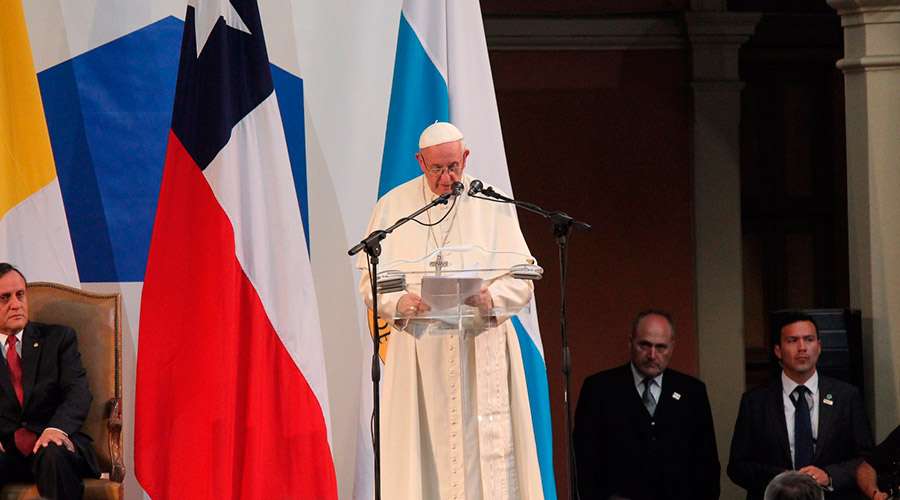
{"points": [[34, 234]]}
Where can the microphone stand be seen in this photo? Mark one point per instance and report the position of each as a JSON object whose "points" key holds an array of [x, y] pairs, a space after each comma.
{"points": [[562, 228], [371, 244]]}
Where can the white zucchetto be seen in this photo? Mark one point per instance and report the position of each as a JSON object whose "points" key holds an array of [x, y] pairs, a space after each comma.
{"points": [[439, 133]]}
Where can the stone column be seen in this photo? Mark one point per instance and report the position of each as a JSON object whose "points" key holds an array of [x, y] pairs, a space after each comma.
{"points": [[871, 67], [715, 38]]}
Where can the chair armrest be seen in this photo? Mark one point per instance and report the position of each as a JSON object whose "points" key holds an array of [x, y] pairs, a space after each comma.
{"points": [[114, 424]]}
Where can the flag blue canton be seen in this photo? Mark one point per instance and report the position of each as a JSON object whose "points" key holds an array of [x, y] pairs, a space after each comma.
{"points": [[206, 109]]}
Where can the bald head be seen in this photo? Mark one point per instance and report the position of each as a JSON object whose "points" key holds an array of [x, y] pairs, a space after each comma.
{"points": [[652, 342]]}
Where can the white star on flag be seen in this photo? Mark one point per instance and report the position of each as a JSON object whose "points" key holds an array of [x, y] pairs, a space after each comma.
{"points": [[207, 14]]}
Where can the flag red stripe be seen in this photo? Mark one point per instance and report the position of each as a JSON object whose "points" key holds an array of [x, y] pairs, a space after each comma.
{"points": [[222, 410]]}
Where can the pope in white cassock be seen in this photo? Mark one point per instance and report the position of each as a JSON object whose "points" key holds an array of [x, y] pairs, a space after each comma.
{"points": [[455, 420]]}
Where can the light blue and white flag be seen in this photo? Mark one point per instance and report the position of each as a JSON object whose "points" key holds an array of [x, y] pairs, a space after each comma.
{"points": [[442, 73]]}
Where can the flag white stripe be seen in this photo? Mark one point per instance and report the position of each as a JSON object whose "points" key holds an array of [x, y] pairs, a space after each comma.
{"points": [[429, 21], [252, 180], [35, 237], [473, 103]]}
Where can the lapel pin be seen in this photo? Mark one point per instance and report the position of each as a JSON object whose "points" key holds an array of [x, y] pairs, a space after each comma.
{"points": [[828, 400], [35, 344], [676, 396]]}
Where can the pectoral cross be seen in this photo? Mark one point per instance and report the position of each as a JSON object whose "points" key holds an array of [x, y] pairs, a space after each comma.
{"points": [[438, 264]]}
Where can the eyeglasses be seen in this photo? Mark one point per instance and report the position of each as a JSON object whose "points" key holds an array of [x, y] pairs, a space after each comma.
{"points": [[439, 171]]}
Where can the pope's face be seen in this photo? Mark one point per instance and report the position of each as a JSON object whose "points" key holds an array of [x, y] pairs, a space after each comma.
{"points": [[442, 164], [13, 303], [799, 349], [652, 345]]}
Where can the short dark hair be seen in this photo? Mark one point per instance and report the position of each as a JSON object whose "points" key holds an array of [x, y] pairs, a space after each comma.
{"points": [[784, 318], [793, 485], [652, 312], [6, 268]]}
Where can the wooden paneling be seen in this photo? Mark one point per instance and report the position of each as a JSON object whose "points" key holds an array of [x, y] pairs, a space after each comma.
{"points": [[604, 137]]}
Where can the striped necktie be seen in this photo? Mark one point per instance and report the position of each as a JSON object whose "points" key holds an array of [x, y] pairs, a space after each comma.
{"points": [[647, 396]]}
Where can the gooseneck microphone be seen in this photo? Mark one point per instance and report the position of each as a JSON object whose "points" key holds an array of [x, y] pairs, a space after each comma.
{"points": [[456, 189], [477, 187]]}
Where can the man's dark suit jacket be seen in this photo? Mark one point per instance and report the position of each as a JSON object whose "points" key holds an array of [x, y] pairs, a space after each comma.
{"points": [[56, 392], [621, 449], [760, 449]]}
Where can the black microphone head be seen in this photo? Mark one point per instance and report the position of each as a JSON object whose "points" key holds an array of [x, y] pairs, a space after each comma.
{"points": [[457, 188], [475, 187]]}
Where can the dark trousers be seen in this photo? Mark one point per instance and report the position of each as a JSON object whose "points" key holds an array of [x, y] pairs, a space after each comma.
{"points": [[56, 470]]}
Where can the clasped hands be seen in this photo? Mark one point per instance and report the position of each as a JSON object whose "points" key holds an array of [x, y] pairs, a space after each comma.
{"points": [[411, 305], [820, 476]]}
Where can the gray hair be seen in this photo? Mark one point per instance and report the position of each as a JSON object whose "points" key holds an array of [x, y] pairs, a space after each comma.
{"points": [[794, 485]]}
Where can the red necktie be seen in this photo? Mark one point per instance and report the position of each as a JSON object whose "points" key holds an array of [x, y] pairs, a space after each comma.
{"points": [[24, 438]]}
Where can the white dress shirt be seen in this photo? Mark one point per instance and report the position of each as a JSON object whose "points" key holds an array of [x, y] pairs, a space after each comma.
{"points": [[812, 397], [5, 346], [655, 387]]}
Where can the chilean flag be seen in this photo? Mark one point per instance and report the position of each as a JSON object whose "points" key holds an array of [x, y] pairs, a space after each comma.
{"points": [[231, 391]]}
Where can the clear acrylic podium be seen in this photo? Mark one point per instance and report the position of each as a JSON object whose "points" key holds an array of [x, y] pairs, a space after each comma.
{"points": [[449, 280]]}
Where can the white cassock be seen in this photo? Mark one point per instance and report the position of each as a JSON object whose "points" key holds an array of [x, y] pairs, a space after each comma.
{"points": [[455, 421]]}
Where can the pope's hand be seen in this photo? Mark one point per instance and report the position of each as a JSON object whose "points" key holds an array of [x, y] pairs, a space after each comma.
{"points": [[411, 305], [483, 301]]}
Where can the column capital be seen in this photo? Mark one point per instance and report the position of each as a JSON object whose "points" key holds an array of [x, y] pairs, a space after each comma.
{"points": [[709, 5], [871, 31], [715, 39], [851, 7], [721, 27]]}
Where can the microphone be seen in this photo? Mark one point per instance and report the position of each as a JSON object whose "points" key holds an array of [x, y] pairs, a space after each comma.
{"points": [[475, 187], [456, 189], [478, 187]]}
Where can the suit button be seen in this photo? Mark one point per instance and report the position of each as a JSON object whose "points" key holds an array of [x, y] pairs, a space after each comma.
{"points": [[653, 422]]}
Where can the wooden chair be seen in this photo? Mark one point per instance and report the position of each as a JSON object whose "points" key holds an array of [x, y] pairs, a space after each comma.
{"points": [[96, 319]]}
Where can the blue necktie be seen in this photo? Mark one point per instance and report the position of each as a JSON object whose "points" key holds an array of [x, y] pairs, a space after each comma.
{"points": [[803, 438]]}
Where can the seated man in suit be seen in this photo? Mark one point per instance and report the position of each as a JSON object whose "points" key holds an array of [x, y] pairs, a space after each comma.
{"points": [[805, 422], [44, 399], [878, 476], [645, 432]]}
